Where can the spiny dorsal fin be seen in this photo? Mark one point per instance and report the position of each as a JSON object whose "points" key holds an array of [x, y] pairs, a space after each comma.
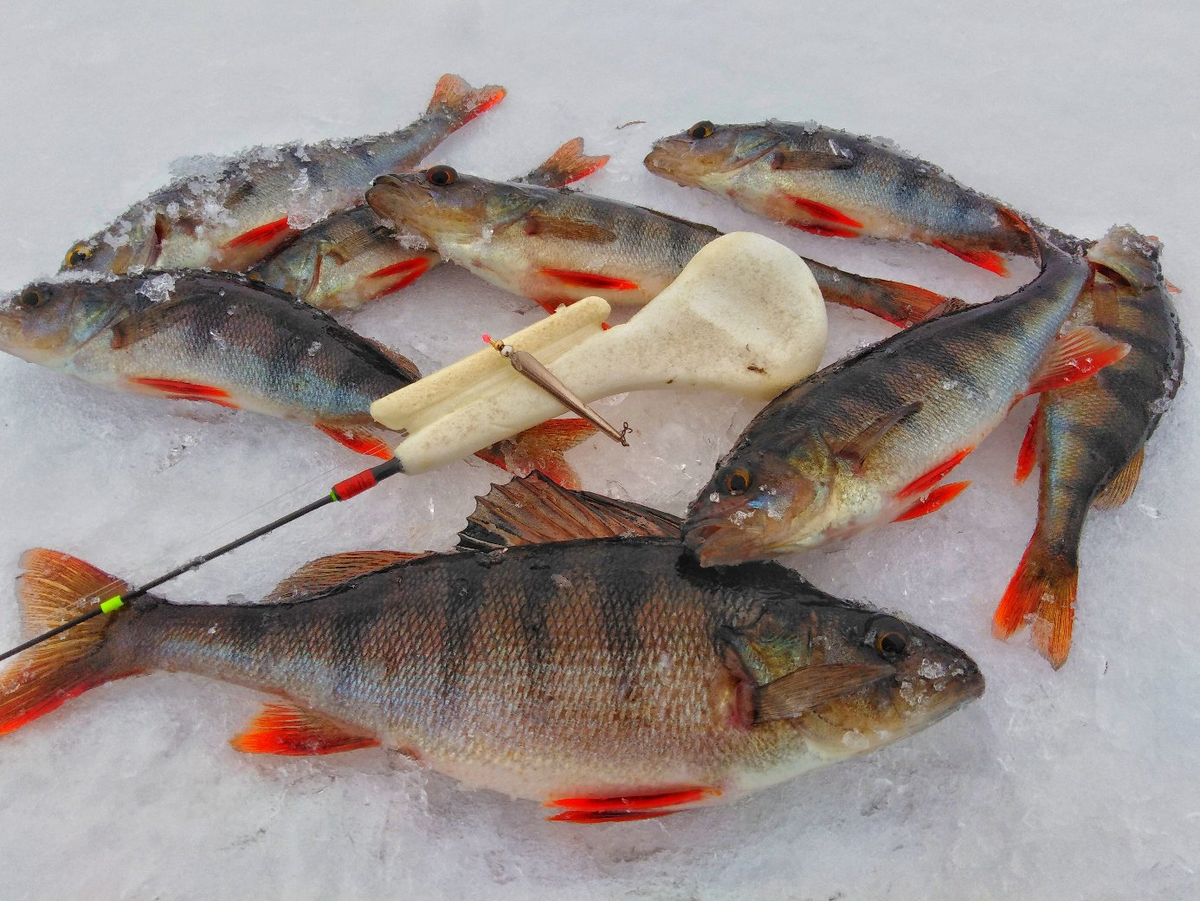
{"points": [[534, 510], [811, 686], [329, 572], [855, 450], [1120, 488], [284, 728]]}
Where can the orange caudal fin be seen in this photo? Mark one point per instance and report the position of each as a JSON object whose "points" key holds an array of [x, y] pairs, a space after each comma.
{"points": [[283, 728], [186, 391], [589, 280], [51, 589], [934, 500], [914, 304], [1043, 587], [629, 807], [263, 235], [1075, 356], [463, 101], [984, 259], [566, 165], [359, 439]]}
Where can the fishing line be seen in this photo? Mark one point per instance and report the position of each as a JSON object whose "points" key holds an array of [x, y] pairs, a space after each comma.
{"points": [[342, 491]]}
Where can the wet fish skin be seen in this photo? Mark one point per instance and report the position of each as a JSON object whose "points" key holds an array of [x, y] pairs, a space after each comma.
{"points": [[255, 202], [204, 336], [865, 441], [352, 258], [838, 184], [595, 669], [1090, 437], [561, 246]]}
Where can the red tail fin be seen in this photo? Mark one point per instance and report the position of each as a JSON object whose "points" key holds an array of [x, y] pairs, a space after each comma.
{"points": [[52, 589], [462, 100], [566, 165], [1044, 587]]}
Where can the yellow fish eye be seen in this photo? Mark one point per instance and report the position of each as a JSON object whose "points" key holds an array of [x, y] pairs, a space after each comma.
{"points": [[737, 481], [702, 129], [79, 254]]}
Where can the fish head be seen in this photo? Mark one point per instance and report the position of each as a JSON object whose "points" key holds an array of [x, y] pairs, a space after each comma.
{"points": [[1124, 255], [444, 206], [849, 679], [47, 323], [128, 246], [708, 155], [762, 503]]}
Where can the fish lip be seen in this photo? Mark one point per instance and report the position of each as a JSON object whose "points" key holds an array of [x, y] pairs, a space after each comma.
{"points": [[701, 537]]}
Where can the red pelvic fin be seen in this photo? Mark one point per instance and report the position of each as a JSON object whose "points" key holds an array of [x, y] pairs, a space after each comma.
{"points": [[935, 500], [358, 439], [589, 280], [264, 234], [187, 391], [407, 270], [1027, 458], [283, 728], [822, 211], [1078, 354], [1043, 586], [921, 484], [632, 807], [825, 231], [984, 259]]}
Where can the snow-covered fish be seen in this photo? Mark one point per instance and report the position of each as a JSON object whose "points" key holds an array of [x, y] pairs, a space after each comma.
{"points": [[253, 203], [607, 678], [219, 338], [351, 258], [834, 183], [1089, 438], [558, 246], [868, 439]]}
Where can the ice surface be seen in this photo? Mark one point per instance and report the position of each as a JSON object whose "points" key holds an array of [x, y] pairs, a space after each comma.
{"points": [[1078, 784]]}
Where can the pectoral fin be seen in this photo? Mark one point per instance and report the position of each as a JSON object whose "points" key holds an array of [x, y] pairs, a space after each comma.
{"points": [[537, 222], [856, 449], [1078, 354], [811, 686], [629, 807]]}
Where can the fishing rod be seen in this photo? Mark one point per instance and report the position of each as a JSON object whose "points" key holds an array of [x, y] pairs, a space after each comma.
{"points": [[744, 316]]}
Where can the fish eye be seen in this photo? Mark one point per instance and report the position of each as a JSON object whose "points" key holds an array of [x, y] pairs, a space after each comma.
{"points": [[79, 254], [441, 176], [890, 637], [702, 129], [31, 298], [737, 481]]}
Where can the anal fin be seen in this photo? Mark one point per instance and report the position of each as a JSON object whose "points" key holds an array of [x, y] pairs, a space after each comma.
{"points": [[283, 728], [1120, 488]]}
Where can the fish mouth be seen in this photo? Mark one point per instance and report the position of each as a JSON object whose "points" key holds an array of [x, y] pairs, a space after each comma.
{"points": [[663, 161], [715, 541]]}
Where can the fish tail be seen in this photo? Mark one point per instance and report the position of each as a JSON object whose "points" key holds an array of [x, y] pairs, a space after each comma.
{"points": [[912, 304], [1043, 587], [53, 588], [569, 163], [463, 102]]}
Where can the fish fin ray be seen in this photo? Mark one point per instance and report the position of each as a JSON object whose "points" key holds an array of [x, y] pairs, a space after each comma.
{"points": [[325, 573], [360, 439], [984, 259], [283, 728], [541, 449], [1077, 355], [923, 483], [789, 160], [53, 588], [1027, 457], [534, 510], [824, 212], [1121, 487], [1042, 588], [628, 807], [261, 236], [179, 390], [463, 101], [590, 280], [566, 165], [856, 449], [811, 686], [934, 500]]}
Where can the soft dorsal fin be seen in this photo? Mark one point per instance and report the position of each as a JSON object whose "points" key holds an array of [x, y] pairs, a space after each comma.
{"points": [[403, 363], [534, 510], [811, 686], [856, 449], [329, 572], [284, 728]]}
